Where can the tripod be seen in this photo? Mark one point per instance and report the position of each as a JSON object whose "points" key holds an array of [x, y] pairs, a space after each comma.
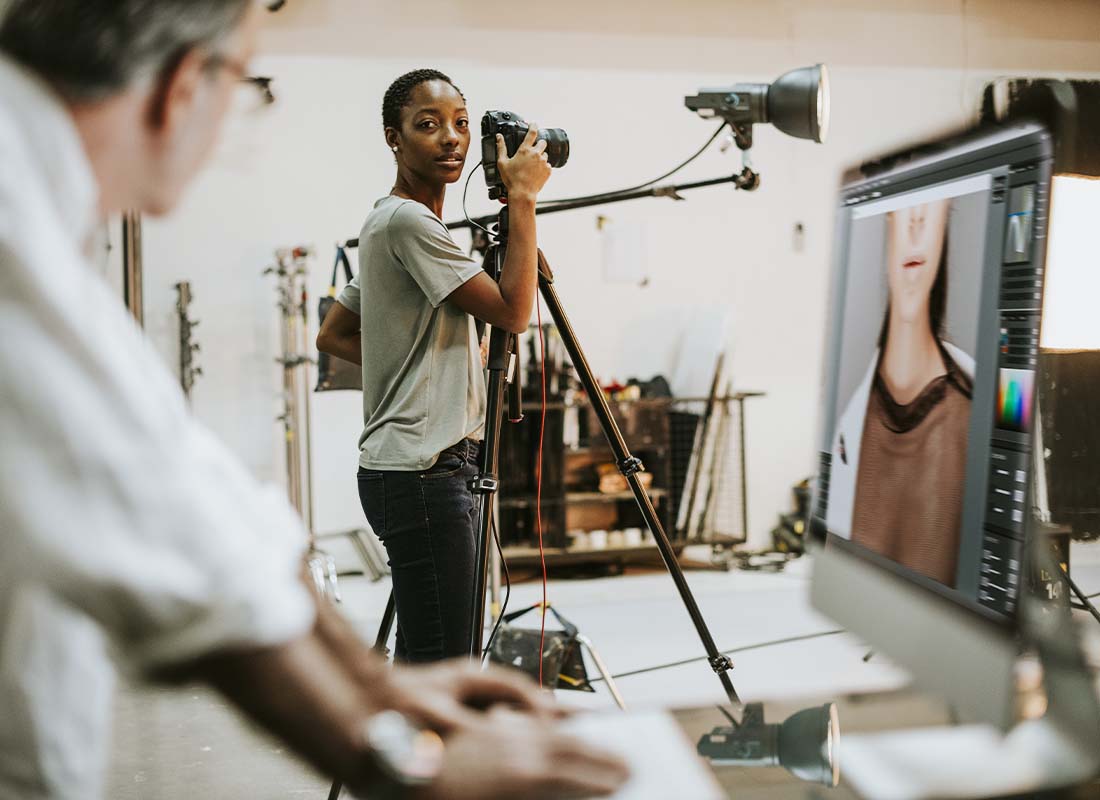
{"points": [[501, 350], [502, 374]]}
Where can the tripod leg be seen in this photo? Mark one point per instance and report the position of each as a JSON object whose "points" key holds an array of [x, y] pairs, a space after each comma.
{"points": [[604, 671], [630, 466], [386, 626], [380, 648], [501, 345]]}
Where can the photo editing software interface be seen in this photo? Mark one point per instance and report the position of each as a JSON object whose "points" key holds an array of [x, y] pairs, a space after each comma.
{"points": [[930, 399]]}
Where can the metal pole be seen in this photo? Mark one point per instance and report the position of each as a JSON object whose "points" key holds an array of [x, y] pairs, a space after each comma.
{"points": [[307, 438], [188, 348], [746, 179], [485, 485], [293, 396], [744, 472], [133, 265]]}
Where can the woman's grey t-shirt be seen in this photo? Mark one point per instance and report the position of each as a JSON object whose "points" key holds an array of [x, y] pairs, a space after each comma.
{"points": [[423, 387]]}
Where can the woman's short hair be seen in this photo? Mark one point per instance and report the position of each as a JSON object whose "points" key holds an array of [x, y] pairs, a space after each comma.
{"points": [[399, 94]]}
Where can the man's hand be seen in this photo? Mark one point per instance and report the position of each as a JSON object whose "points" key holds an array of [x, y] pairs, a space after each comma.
{"points": [[450, 697], [525, 173], [509, 755]]}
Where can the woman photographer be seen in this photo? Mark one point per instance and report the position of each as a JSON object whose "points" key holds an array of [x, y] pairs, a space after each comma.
{"points": [[409, 319]]}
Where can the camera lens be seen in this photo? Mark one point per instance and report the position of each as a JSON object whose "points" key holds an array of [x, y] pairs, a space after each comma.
{"points": [[557, 145]]}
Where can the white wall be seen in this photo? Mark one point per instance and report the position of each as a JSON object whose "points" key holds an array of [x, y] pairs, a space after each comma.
{"points": [[614, 75]]}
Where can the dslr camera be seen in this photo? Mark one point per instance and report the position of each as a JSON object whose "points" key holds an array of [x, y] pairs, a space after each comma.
{"points": [[514, 129]]}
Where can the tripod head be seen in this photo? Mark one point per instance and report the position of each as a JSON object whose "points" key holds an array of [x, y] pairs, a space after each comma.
{"points": [[504, 352]]}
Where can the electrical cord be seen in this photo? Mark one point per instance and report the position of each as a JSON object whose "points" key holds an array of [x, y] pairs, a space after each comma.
{"points": [[746, 648], [538, 487], [465, 189], [668, 174]]}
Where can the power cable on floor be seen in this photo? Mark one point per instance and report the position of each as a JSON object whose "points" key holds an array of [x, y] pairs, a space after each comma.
{"points": [[746, 648]]}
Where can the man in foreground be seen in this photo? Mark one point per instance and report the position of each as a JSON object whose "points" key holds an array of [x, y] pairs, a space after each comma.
{"points": [[129, 536]]}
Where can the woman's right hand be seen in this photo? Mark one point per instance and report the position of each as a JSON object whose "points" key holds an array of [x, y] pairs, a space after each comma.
{"points": [[525, 173]]}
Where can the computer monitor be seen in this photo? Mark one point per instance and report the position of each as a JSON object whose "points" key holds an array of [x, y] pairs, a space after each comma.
{"points": [[928, 412]]}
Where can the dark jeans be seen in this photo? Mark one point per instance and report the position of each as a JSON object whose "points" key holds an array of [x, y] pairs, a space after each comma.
{"points": [[427, 522]]}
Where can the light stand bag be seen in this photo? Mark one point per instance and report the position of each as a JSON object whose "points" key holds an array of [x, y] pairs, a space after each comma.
{"points": [[562, 659], [334, 374]]}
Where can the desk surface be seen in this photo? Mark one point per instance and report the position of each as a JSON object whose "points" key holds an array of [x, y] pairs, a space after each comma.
{"points": [[864, 713]]}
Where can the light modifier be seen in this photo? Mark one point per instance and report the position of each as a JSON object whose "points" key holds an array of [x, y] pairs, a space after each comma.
{"points": [[806, 744], [797, 103]]}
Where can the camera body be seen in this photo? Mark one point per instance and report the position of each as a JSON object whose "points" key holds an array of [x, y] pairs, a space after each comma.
{"points": [[514, 129]]}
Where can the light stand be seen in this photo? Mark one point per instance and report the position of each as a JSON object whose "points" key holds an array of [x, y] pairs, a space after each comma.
{"points": [[501, 356], [291, 269]]}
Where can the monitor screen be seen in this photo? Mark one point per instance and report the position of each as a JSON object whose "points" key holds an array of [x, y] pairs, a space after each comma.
{"points": [[930, 381]]}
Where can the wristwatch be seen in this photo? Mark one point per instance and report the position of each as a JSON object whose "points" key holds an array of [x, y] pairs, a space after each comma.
{"points": [[407, 756]]}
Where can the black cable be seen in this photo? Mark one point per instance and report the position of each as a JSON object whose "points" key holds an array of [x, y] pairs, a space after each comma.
{"points": [[615, 192], [507, 587], [788, 640], [1084, 598], [465, 189], [1094, 596]]}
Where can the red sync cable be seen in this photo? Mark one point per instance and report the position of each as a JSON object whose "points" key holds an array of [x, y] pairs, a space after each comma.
{"points": [[538, 490]]}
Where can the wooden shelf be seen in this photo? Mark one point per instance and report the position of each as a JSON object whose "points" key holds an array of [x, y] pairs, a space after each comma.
{"points": [[558, 405], [602, 497], [558, 556], [570, 496], [605, 449], [579, 497], [529, 502]]}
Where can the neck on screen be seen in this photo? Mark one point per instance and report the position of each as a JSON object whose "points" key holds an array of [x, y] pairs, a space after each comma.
{"points": [[911, 359]]}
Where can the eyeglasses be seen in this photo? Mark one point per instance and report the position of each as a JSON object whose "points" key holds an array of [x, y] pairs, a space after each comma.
{"points": [[259, 87], [262, 86]]}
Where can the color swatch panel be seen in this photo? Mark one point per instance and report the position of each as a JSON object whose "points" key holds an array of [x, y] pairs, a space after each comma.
{"points": [[1015, 398]]}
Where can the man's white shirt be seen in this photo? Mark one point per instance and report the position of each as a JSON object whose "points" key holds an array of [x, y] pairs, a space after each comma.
{"points": [[129, 536]]}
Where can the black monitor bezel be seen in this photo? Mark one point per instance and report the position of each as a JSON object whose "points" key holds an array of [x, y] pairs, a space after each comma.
{"points": [[978, 151]]}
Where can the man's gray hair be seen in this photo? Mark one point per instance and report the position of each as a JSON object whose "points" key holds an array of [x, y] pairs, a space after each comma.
{"points": [[91, 49]]}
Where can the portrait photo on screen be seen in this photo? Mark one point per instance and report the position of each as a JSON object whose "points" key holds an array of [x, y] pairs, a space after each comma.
{"points": [[906, 371]]}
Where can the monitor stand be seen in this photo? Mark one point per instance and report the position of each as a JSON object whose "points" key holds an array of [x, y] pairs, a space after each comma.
{"points": [[978, 761], [967, 761]]}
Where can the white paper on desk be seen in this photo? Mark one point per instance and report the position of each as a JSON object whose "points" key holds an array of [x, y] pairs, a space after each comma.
{"points": [[966, 761], [663, 764]]}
